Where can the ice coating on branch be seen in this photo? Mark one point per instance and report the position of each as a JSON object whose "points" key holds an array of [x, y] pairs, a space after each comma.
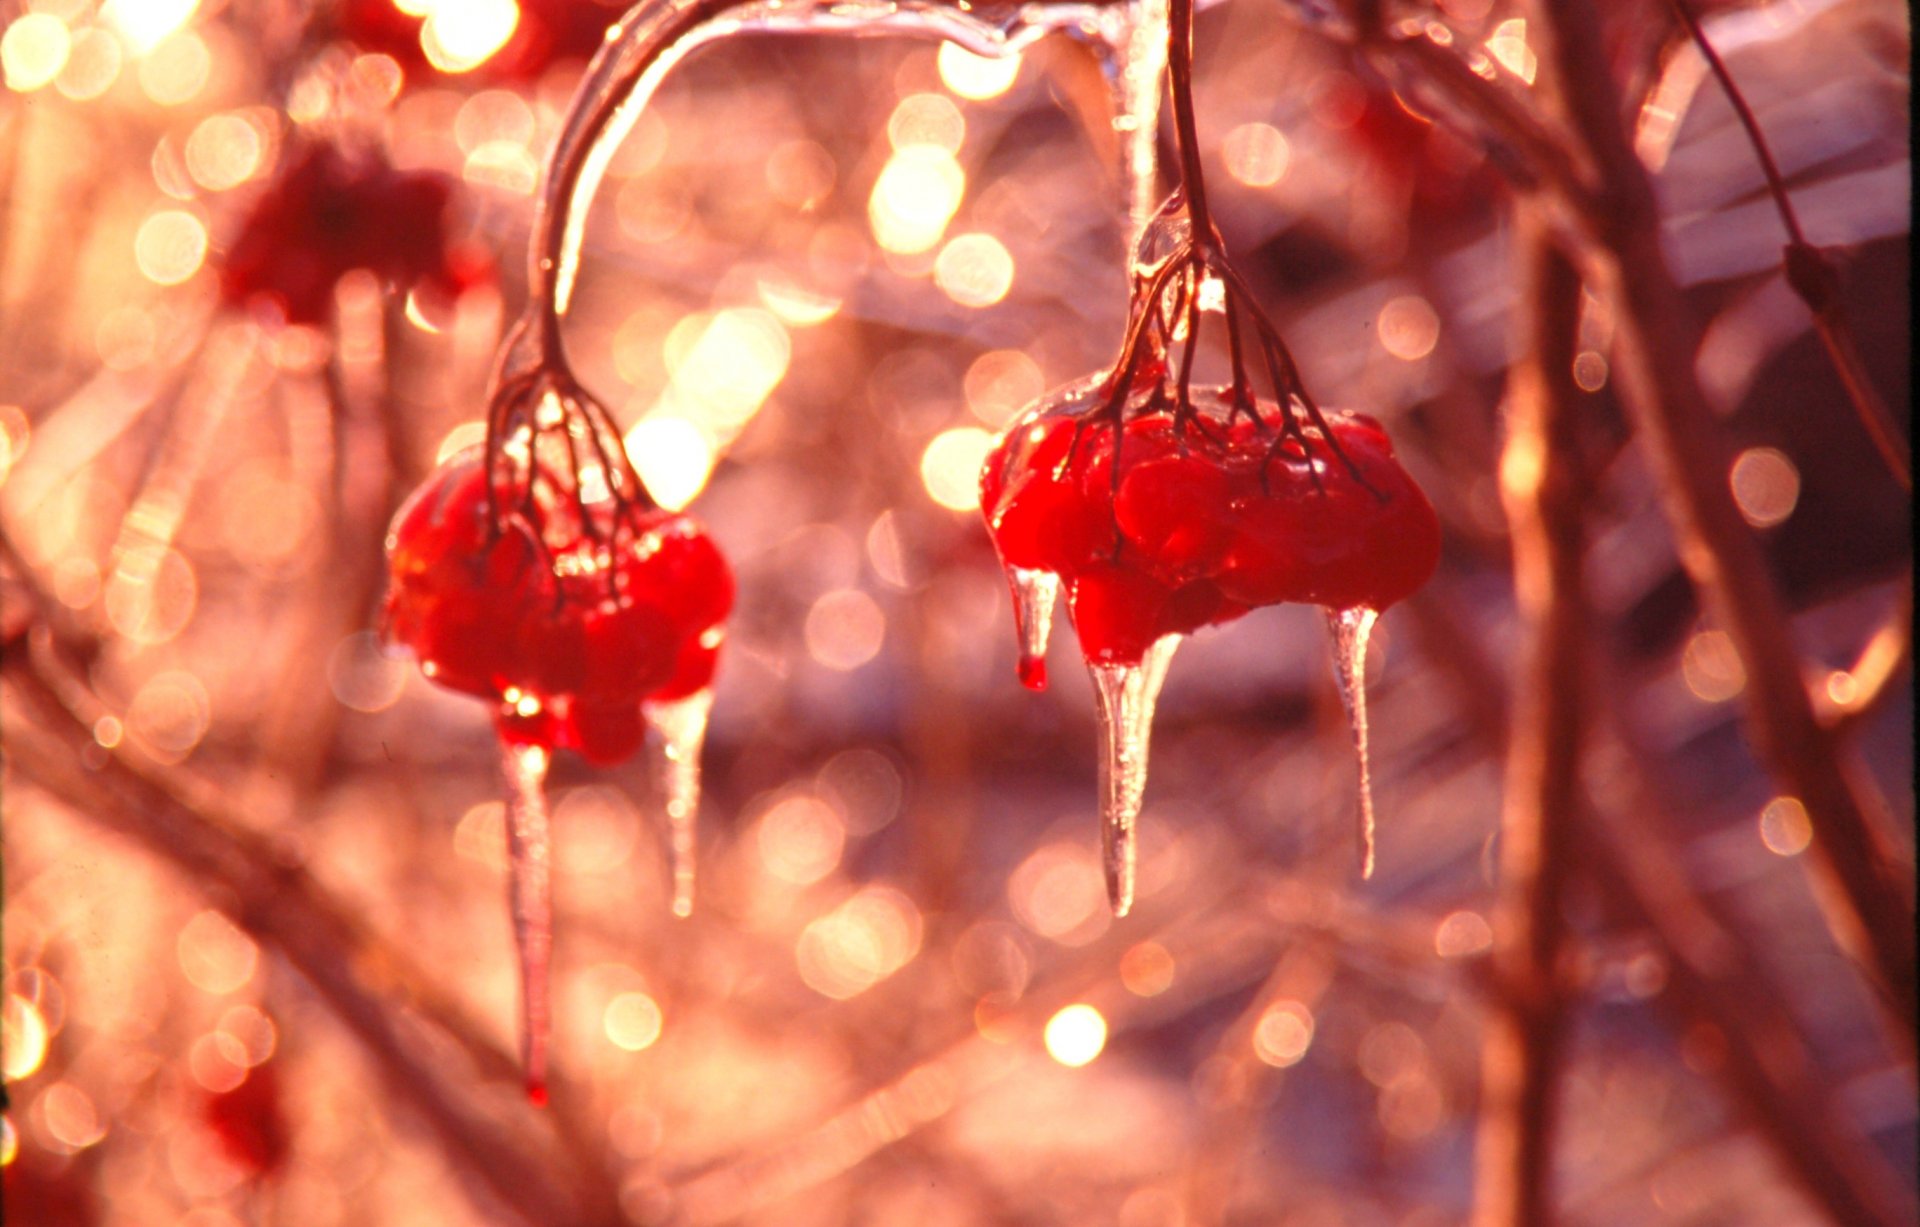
{"points": [[530, 887], [652, 37], [1166, 232], [679, 729], [1034, 593], [1126, 695], [1350, 628]]}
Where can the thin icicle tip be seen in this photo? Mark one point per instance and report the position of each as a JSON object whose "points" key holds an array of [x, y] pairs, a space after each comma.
{"points": [[1350, 629], [1126, 696], [679, 728]]}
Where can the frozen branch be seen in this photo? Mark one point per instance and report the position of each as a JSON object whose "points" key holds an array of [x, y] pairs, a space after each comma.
{"points": [[1864, 881], [1543, 487]]}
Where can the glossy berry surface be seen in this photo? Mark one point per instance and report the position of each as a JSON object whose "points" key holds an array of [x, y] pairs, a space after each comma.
{"points": [[1206, 521], [569, 620], [329, 211]]}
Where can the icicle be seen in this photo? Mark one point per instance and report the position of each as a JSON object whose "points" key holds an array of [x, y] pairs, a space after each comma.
{"points": [[1034, 593], [680, 728], [1134, 57], [1350, 628], [1127, 694], [530, 885]]}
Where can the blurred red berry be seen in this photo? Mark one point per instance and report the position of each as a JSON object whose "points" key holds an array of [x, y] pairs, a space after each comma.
{"points": [[250, 1124], [329, 211]]}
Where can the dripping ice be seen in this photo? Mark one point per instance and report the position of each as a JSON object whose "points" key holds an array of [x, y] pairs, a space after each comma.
{"points": [[679, 730], [530, 890], [1034, 594], [1126, 695], [1350, 629]]}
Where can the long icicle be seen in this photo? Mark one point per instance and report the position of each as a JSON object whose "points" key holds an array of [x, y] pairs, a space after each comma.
{"points": [[1127, 695], [530, 890], [1350, 629], [680, 729]]}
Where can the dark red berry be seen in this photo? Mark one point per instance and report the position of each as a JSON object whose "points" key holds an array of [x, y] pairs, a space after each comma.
{"points": [[250, 1124]]}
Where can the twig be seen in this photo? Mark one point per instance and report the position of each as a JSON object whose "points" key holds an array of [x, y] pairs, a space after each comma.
{"points": [[1712, 979], [1811, 274], [1864, 882], [1875, 668], [277, 901], [1629, 849], [1542, 485]]}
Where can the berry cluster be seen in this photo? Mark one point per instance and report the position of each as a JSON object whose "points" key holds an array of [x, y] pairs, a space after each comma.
{"points": [[329, 211], [1205, 517], [569, 613]]}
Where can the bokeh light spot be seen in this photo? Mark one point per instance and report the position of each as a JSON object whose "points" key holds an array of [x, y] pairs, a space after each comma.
{"points": [[1408, 327], [169, 714], [1076, 1035], [23, 1038], [1712, 667], [215, 956], [145, 24], [632, 1021], [34, 50], [927, 119], [800, 839], [170, 246], [974, 270], [460, 35], [914, 198], [1147, 969], [673, 456], [224, 151], [362, 676], [1766, 485], [1000, 383], [973, 76], [873, 934], [1283, 1034], [844, 629], [1785, 827], [1461, 934], [1257, 154], [177, 70], [950, 467]]}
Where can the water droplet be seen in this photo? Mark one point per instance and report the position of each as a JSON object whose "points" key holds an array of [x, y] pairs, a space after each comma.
{"points": [[1034, 593], [1350, 628], [680, 729], [530, 878], [1126, 694]]}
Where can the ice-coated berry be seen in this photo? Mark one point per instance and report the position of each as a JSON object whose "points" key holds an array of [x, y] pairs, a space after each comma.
{"points": [[569, 620], [1208, 519]]}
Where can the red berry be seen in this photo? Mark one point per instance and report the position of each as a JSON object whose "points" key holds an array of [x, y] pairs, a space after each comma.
{"points": [[1040, 513], [1116, 612], [1175, 510], [570, 630], [1210, 518]]}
